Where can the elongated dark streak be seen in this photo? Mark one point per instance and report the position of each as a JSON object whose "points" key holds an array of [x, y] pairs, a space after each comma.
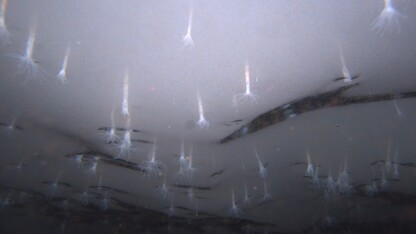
{"points": [[323, 100], [283, 112], [193, 187]]}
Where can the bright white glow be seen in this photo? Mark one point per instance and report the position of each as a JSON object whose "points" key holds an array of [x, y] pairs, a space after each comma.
{"points": [[181, 177], [330, 186], [388, 164], [248, 95], [8, 200], [315, 178], [202, 122], [182, 160], [171, 209], [387, 20], [3, 7], [345, 72], [309, 167], [78, 159], [110, 134], [104, 203], [152, 167], [267, 197], [344, 181], [383, 182], [396, 174], [125, 103], [262, 168], [53, 188], [17, 167], [62, 73], [372, 189], [191, 194], [246, 199], [4, 32], [235, 211], [93, 169], [12, 126], [190, 169], [30, 43], [187, 39], [124, 147], [100, 182], [84, 197], [399, 113], [27, 66], [164, 191]]}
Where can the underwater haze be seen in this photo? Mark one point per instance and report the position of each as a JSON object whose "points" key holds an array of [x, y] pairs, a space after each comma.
{"points": [[207, 116]]}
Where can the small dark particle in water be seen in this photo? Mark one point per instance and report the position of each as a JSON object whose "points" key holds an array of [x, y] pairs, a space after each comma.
{"points": [[300, 163], [234, 122], [408, 164], [383, 162], [193, 187], [303, 163], [142, 141], [378, 162], [124, 130], [107, 129], [89, 156], [337, 125], [124, 164], [217, 173]]}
